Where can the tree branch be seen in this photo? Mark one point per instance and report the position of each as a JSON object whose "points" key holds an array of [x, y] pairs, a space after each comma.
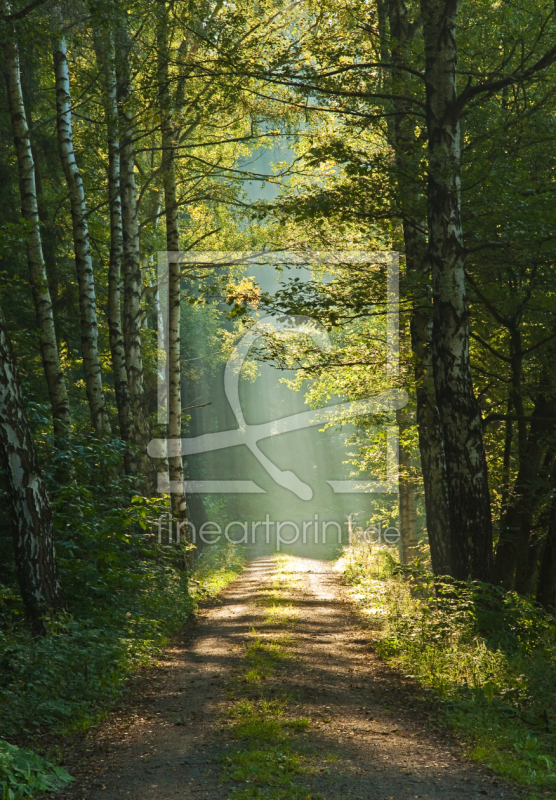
{"points": [[471, 92], [23, 13]]}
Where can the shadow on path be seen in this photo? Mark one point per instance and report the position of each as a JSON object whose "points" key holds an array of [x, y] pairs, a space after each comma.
{"points": [[165, 743]]}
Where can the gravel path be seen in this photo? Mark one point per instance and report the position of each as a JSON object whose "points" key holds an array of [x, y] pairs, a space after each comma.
{"points": [[167, 740]]}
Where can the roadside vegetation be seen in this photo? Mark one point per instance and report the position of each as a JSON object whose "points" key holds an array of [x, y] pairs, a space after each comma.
{"points": [[24, 774], [128, 595], [130, 129], [487, 656]]}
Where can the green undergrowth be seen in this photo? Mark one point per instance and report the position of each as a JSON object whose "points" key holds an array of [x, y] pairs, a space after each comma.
{"points": [[25, 774], [126, 593], [64, 680], [216, 567], [489, 657], [270, 757]]}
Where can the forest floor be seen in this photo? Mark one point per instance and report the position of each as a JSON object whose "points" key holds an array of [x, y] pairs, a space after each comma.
{"points": [[274, 691]]}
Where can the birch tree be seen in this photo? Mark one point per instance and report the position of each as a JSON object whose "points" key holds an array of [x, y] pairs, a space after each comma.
{"points": [[391, 89], [29, 506], [131, 255], [55, 380], [81, 244], [403, 137], [466, 466], [106, 58], [175, 463], [468, 492]]}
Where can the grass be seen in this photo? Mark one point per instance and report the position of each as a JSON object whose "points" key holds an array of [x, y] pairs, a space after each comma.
{"points": [[271, 759], [488, 656], [262, 658], [216, 567]]}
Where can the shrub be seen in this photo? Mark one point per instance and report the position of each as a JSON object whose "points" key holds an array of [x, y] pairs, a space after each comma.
{"points": [[489, 656]]}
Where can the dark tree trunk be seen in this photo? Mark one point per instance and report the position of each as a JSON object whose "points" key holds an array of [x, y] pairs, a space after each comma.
{"points": [[408, 531], [431, 438], [29, 506], [469, 500], [506, 461], [512, 567], [417, 283], [546, 593], [529, 574]]}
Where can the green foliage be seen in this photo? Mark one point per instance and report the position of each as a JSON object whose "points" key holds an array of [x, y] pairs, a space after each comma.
{"points": [[126, 594], [488, 655], [12, 235], [216, 567], [25, 774]]}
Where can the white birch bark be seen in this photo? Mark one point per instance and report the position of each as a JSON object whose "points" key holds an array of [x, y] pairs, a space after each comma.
{"points": [[131, 262], [402, 136], [105, 53], [469, 501], [29, 506], [82, 248], [35, 259], [175, 463]]}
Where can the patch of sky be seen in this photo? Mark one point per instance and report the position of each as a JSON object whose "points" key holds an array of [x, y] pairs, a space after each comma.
{"points": [[264, 181]]}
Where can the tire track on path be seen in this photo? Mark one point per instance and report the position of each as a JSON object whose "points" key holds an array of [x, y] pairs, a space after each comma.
{"points": [[170, 737]]}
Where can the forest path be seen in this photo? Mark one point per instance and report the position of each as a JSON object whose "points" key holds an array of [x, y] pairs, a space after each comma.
{"points": [[276, 693]]}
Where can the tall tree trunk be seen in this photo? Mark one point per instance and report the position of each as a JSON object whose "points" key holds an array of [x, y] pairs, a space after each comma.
{"points": [[29, 506], [81, 243], [408, 531], [417, 284], [48, 237], [546, 592], [175, 463], [105, 53], [132, 262], [506, 461], [431, 434], [512, 567], [469, 500], [527, 577], [57, 391]]}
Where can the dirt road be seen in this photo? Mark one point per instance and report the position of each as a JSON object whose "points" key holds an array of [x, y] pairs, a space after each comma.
{"points": [[276, 693]]}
